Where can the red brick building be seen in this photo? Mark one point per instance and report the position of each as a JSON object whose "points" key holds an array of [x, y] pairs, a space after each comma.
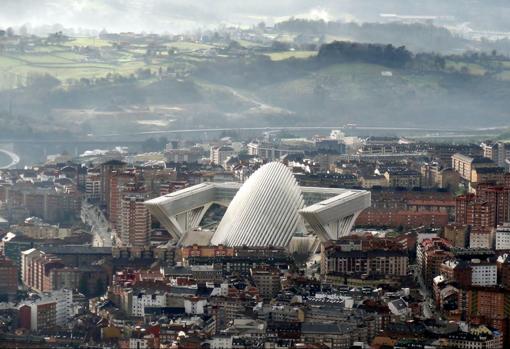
{"points": [[39, 316], [36, 269], [401, 218], [44, 272], [474, 211], [107, 170], [458, 271], [206, 251], [408, 209], [8, 278], [118, 179], [489, 306], [504, 271], [498, 198], [430, 254], [134, 217]]}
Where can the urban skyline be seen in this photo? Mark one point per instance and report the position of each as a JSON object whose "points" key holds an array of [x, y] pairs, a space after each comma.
{"points": [[179, 175]]}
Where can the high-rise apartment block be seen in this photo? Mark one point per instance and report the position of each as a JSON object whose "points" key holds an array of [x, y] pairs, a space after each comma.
{"points": [[135, 219], [471, 210], [107, 170], [496, 151], [118, 181], [93, 186]]}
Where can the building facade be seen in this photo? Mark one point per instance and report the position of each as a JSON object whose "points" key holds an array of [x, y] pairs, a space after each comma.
{"points": [[135, 219]]}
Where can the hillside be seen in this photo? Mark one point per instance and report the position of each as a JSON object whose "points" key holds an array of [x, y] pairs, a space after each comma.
{"points": [[174, 85]]}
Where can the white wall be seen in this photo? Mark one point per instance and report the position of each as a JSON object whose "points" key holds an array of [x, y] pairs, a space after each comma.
{"points": [[484, 275]]}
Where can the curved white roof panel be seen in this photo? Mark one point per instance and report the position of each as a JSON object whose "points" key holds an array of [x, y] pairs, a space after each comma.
{"points": [[264, 211]]}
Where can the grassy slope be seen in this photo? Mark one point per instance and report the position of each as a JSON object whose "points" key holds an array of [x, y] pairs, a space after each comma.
{"points": [[354, 92], [279, 56], [64, 63]]}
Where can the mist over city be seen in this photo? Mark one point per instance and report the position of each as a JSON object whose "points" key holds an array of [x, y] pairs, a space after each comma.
{"points": [[305, 174]]}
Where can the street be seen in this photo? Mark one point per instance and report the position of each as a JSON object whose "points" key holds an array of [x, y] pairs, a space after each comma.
{"points": [[428, 307], [100, 228]]}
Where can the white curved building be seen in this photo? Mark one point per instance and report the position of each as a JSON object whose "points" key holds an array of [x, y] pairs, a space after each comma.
{"points": [[267, 210]]}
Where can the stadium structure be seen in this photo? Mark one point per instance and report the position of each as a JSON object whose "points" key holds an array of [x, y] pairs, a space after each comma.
{"points": [[269, 209]]}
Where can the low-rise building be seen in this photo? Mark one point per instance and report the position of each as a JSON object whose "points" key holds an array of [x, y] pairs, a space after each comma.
{"points": [[371, 181], [221, 153], [403, 178], [140, 300]]}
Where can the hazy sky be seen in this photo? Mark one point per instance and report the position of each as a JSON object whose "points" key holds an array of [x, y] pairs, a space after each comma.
{"points": [[160, 15], [179, 15]]}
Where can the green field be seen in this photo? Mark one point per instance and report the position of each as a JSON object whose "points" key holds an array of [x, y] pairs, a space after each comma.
{"points": [[246, 43], [473, 69], [279, 56], [90, 58], [63, 69], [94, 42], [188, 46], [64, 63]]}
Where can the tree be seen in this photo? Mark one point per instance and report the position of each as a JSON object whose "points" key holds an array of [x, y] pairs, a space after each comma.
{"points": [[280, 46], [44, 82], [163, 141], [152, 144]]}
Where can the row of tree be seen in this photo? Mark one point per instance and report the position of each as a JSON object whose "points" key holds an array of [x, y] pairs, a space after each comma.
{"points": [[387, 55], [417, 36]]}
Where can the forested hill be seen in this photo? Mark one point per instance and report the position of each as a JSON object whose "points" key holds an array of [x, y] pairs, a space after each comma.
{"points": [[417, 37], [387, 55]]}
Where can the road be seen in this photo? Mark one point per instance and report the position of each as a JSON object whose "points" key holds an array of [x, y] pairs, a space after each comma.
{"points": [[100, 227], [288, 128], [14, 159], [258, 104], [427, 306]]}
